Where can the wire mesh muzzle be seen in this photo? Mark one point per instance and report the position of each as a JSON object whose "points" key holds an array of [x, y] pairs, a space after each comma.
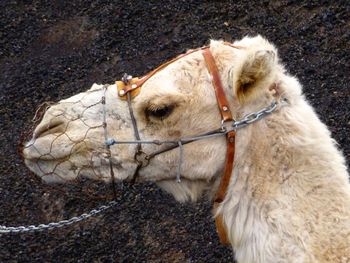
{"points": [[79, 149]]}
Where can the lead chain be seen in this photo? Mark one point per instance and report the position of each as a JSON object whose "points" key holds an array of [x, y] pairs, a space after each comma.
{"points": [[55, 225]]}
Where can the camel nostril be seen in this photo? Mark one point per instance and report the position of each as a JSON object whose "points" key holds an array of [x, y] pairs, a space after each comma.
{"points": [[54, 126]]}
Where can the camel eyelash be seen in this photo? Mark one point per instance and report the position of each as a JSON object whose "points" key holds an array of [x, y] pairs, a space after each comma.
{"points": [[157, 112]]}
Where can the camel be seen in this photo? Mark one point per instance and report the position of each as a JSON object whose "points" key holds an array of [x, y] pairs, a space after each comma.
{"points": [[288, 197]]}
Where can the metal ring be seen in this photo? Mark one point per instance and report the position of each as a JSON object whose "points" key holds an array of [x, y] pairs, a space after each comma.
{"points": [[142, 158]]}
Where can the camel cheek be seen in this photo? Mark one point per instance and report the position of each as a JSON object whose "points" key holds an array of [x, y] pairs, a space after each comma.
{"points": [[174, 133]]}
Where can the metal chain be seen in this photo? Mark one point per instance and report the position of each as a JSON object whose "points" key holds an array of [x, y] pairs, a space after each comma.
{"points": [[59, 224], [225, 128], [255, 116]]}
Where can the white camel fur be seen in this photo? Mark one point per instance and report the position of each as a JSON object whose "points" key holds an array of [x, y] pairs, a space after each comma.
{"points": [[289, 195]]}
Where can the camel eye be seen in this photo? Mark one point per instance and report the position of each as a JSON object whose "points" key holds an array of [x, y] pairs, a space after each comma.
{"points": [[159, 113]]}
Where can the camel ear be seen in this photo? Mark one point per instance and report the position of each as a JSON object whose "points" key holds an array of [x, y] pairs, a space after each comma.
{"points": [[255, 71]]}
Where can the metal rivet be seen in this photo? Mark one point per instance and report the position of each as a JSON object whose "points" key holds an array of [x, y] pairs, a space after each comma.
{"points": [[231, 139], [121, 92], [133, 86], [224, 108]]}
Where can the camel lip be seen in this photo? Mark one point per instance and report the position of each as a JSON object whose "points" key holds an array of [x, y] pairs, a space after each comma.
{"points": [[46, 157], [32, 154], [49, 178], [54, 177], [31, 150]]}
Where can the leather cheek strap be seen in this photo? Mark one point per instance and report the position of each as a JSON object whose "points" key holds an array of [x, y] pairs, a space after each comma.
{"points": [[230, 152], [225, 180], [219, 90]]}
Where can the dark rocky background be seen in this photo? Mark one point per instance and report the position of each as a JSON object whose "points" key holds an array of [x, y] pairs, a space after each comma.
{"points": [[53, 49]]}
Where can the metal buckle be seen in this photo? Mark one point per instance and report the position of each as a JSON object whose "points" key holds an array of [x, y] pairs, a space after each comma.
{"points": [[225, 125], [126, 78]]}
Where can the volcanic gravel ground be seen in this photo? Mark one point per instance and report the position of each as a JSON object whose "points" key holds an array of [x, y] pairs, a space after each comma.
{"points": [[53, 49]]}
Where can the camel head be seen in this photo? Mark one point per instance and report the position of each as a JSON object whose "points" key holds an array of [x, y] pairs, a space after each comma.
{"points": [[178, 101]]}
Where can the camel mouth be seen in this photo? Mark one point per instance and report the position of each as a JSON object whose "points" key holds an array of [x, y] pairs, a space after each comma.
{"points": [[31, 151], [37, 168], [64, 171], [44, 157]]}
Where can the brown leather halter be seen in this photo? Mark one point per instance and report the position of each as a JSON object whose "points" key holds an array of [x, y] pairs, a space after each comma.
{"points": [[130, 87], [230, 137]]}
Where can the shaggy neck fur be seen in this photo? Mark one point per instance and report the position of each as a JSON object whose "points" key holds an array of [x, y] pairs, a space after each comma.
{"points": [[288, 199]]}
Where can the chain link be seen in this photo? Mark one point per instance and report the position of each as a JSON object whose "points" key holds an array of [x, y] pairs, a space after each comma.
{"points": [[55, 225], [255, 116]]}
